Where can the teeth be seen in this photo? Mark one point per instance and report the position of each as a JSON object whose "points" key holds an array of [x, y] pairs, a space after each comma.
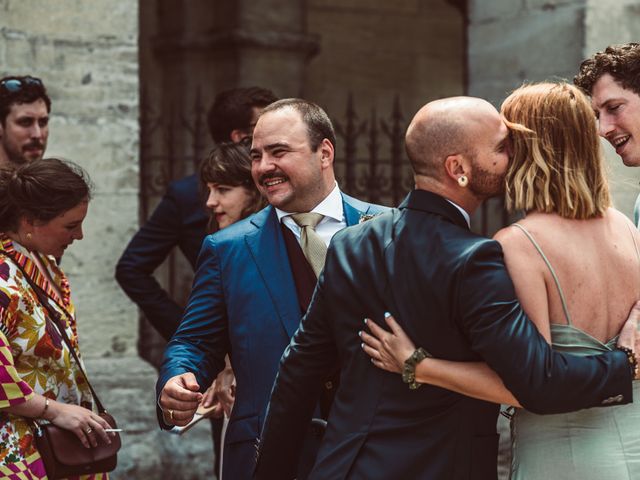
{"points": [[619, 141], [275, 181]]}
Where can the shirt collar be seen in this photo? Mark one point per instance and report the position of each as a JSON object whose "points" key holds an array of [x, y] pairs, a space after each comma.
{"points": [[331, 206], [462, 211]]}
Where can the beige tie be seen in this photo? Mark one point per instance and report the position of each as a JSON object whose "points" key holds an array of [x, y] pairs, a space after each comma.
{"points": [[313, 247]]}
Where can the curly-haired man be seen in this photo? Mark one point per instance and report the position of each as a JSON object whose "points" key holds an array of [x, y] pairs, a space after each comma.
{"points": [[612, 79]]}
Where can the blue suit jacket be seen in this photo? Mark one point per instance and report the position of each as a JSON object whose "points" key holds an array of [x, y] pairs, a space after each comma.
{"points": [[244, 303]]}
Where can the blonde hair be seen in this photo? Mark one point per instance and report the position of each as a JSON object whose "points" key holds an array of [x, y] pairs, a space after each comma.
{"points": [[557, 164]]}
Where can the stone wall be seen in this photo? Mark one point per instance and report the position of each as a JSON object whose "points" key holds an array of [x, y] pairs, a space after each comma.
{"points": [[86, 52]]}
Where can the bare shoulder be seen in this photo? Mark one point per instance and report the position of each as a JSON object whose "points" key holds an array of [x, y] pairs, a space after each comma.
{"points": [[512, 239]]}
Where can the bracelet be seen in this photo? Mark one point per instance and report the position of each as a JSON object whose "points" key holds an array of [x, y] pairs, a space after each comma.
{"points": [[409, 369], [46, 407], [632, 360]]}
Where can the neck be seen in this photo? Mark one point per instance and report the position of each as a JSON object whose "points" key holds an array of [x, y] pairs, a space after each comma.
{"points": [[449, 190], [5, 162]]}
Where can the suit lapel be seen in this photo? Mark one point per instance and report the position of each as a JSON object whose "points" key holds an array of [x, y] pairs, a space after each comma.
{"points": [[269, 253], [351, 214]]}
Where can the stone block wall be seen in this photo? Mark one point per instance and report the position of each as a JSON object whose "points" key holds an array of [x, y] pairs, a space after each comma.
{"points": [[86, 52]]}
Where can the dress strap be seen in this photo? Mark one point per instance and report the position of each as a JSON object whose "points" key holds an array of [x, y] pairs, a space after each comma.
{"points": [[553, 272], [635, 245]]}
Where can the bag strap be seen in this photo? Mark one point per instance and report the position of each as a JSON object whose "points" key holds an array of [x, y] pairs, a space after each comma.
{"points": [[54, 317]]}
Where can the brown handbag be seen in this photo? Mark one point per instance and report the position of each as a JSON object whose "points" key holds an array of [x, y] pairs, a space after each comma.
{"points": [[64, 455], [61, 450]]}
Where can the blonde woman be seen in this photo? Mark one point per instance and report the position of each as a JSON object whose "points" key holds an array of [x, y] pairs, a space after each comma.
{"points": [[575, 266]]}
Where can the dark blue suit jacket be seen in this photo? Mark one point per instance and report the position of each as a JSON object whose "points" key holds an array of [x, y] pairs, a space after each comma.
{"points": [[244, 303], [449, 289], [180, 220]]}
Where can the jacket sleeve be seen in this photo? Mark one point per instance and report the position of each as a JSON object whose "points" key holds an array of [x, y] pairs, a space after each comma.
{"points": [[543, 380], [306, 362], [149, 247], [201, 340]]}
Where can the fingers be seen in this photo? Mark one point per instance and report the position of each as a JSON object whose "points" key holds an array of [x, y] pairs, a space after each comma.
{"points": [[377, 331], [209, 396], [393, 325], [188, 381], [370, 341], [177, 394]]}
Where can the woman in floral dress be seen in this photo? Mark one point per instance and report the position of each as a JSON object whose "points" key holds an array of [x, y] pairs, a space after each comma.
{"points": [[42, 207]]}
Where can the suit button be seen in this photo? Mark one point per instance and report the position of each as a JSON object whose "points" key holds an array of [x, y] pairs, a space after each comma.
{"points": [[328, 385]]}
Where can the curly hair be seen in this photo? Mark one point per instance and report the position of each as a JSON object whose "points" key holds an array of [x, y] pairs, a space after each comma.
{"points": [[622, 62]]}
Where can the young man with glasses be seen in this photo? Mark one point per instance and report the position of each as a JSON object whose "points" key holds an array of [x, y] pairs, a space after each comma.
{"points": [[24, 120]]}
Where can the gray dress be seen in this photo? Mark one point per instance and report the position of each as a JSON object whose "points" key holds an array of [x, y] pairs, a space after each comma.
{"points": [[592, 444]]}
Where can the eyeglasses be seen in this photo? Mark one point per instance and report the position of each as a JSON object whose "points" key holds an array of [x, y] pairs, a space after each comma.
{"points": [[13, 85]]}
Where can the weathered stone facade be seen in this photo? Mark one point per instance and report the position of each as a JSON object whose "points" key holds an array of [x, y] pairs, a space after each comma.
{"points": [[96, 57], [87, 54]]}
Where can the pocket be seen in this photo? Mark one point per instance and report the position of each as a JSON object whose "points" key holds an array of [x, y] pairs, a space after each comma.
{"points": [[484, 457], [242, 429]]}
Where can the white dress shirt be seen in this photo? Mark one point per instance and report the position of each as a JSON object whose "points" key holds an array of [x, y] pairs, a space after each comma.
{"points": [[333, 221]]}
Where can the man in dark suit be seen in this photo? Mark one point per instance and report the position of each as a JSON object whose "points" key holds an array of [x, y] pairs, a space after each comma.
{"points": [[450, 291], [255, 277]]}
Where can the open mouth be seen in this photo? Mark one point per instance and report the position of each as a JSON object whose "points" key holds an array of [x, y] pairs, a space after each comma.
{"points": [[272, 182], [620, 142]]}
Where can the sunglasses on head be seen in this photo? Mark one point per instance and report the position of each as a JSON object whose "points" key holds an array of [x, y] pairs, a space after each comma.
{"points": [[13, 85]]}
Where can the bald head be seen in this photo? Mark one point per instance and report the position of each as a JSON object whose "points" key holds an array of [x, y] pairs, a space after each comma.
{"points": [[442, 128]]}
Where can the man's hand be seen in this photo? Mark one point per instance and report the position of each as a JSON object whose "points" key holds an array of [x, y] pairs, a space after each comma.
{"points": [[179, 399], [225, 389]]}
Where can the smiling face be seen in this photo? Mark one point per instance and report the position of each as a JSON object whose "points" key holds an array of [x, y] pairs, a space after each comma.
{"points": [[54, 236], [618, 113], [24, 134], [287, 172], [228, 203]]}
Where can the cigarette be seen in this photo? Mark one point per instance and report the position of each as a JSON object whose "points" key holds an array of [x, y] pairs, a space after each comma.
{"points": [[112, 429]]}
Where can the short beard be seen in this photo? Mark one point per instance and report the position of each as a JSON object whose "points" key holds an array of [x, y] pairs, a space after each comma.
{"points": [[485, 184]]}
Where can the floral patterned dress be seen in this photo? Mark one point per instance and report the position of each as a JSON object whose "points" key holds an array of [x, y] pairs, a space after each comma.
{"points": [[33, 357]]}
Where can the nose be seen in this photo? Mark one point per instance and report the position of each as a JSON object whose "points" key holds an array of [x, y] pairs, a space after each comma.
{"points": [[212, 199], [261, 166], [79, 235], [605, 126], [36, 131]]}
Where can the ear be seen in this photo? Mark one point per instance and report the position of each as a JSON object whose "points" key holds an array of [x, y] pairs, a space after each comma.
{"points": [[327, 153], [238, 134], [455, 166]]}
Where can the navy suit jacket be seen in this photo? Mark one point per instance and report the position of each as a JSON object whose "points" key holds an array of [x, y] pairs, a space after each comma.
{"points": [[244, 303], [449, 289], [180, 220]]}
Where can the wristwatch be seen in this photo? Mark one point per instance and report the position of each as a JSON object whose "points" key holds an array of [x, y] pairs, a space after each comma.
{"points": [[409, 369]]}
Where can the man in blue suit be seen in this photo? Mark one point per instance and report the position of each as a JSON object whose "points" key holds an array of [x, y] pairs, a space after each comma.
{"points": [[251, 286]]}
